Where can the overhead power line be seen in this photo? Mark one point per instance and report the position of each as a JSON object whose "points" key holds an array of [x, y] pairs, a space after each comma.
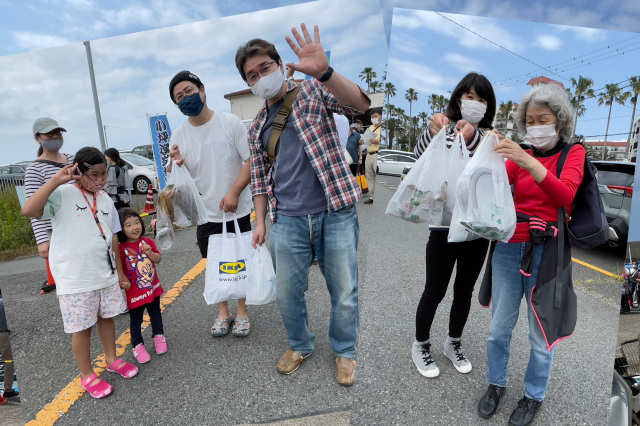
{"points": [[501, 47]]}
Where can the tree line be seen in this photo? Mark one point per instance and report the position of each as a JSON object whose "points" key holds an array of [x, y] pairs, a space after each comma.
{"points": [[401, 129]]}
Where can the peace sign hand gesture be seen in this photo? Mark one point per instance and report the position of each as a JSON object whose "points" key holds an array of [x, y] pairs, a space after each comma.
{"points": [[313, 60]]}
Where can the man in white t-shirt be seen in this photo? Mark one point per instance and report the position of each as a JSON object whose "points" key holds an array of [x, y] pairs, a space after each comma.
{"points": [[214, 148]]}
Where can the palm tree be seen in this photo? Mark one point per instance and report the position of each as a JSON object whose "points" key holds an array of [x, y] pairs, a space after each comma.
{"points": [[376, 86], [442, 103], [612, 93], [411, 95], [432, 100], [634, 83], [583, 90], [368, 74], [423, 117], [389, 92]]}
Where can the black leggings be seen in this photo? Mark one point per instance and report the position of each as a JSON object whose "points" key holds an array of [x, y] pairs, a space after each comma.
{"points": [[136, 315], [440, 259]]}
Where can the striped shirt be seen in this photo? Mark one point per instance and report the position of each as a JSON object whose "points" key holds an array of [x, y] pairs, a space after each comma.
{"points": [[36, 175], [317, 132], [424, 140]]}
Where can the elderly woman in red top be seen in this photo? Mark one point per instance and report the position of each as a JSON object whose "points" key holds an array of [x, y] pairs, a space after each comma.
{"points": [[545, 115]]}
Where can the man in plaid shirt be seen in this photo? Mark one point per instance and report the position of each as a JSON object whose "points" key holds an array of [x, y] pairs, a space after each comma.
{"points": [[309, 191]]}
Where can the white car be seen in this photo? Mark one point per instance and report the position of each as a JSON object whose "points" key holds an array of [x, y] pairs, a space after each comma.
{"points": [[141, 172], [394, 163]]}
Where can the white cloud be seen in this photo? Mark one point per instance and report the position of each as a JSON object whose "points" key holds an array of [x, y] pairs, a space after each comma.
{"points": [[464, 63], [548, 42], [420, 77], [31, 40], [470, 31]]}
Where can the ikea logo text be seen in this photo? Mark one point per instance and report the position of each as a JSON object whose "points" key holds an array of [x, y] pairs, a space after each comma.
{"points": [[232, 267]]}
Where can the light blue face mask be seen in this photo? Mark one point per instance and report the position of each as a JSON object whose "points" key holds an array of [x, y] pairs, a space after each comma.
{"points": [[191, 105]]}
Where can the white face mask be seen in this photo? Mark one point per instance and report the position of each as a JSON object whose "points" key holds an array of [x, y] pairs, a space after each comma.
{"points": [[472, 111], [542, 137], [269, 85], [375, 120]]}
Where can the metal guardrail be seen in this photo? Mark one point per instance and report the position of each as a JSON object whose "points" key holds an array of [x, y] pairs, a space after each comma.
{"points": [[8, 183]]}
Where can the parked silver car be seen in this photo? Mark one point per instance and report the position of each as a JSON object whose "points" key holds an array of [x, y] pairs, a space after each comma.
{"points": [[141, 172], [615, 181]]}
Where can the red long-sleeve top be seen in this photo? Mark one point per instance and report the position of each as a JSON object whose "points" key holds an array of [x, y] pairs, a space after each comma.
{"points": [[545, 198]]}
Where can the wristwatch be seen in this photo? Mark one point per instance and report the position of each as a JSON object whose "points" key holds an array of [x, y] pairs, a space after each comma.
{"points": [[326, 76]]}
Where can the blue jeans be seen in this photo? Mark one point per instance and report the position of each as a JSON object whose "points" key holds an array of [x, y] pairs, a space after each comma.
{"points": [[333, 237], [506, 293]]}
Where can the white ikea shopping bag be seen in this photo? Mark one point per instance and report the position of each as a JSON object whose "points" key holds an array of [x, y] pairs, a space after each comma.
{"points": [[228, 261]]}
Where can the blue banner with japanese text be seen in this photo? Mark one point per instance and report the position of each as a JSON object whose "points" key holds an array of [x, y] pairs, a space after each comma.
{"points": [[160, 136]]}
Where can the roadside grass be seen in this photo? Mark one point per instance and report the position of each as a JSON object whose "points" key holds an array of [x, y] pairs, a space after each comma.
{"points": [[16, 235]]}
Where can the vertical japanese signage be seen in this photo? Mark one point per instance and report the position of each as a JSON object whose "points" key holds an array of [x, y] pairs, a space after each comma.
{"points": [[160, 136]]}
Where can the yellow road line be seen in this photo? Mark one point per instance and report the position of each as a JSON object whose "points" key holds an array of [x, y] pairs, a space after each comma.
{"points": [[595, 268], [73, 391]]}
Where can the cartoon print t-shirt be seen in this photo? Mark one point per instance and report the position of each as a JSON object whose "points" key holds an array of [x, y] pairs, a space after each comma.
{"points": [[141, 272]]}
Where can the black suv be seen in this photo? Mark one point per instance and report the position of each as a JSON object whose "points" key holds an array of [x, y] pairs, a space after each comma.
{"points": [[144, 150]]}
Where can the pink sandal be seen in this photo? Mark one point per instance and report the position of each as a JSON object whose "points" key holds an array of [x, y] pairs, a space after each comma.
{"points": [[98, 390], [123, 368]]}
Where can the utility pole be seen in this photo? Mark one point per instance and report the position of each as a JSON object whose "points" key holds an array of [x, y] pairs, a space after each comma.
{"points": [[96, 104]]}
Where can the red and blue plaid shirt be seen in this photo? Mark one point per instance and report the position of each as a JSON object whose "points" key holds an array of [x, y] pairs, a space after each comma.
{"points": [[317, 131]]}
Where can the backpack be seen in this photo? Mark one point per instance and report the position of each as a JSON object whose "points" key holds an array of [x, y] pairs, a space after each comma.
{"points": [[588, 226]]}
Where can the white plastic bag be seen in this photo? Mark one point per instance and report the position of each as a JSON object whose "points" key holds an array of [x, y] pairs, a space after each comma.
{"points": [[187, 206], [228, 260], [261, 286], [484, 202], [427, 193]]}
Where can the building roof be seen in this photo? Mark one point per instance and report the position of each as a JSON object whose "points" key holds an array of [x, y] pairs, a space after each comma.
{"points": [[544, 80]]}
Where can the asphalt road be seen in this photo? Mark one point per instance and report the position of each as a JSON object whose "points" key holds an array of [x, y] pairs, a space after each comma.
{"points": [[202, 380]]}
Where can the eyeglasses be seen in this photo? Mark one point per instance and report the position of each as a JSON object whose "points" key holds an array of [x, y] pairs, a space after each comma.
{"points": [[186, 92], [55, 132], [266, 69]]}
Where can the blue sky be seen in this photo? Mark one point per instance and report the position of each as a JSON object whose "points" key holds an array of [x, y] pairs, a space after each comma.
{"points": [[133, 70], [430, 53]]}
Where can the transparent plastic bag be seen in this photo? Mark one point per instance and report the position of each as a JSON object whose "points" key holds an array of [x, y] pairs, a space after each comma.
{"points": [[181, 200], [484, 204], [261, 286], [164, 229], [427, 193]]}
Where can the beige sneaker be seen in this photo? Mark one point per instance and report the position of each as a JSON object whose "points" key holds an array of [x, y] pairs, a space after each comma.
{"points": [[290, 361], [345, 371]]}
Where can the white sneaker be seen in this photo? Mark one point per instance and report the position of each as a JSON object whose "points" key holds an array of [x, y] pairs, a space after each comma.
{"points": [[453, 351], [421, 354]]}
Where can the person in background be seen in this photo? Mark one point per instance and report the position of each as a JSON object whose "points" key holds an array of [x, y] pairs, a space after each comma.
{"points": [[353, 148], [371, 162], [632, 278], [6, 355], [116, 179], [48, 134]]}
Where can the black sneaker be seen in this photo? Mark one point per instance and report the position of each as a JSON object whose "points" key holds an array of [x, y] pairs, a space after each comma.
{"points": [[10, 393], [488, 404], [47, 288], [525, 412]]}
